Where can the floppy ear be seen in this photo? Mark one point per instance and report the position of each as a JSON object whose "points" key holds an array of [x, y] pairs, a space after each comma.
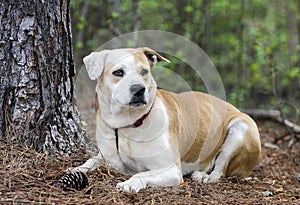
{"points": [[152, 56], [94, 63]]}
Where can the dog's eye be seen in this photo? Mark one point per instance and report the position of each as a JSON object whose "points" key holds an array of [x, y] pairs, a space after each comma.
{"points": [[144, 72], [118, 73]]}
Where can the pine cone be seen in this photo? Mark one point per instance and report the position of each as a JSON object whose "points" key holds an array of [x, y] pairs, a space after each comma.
{"points": [[73, 180]]}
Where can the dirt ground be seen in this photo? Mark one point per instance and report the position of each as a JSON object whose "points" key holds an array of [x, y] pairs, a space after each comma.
{"points": [[27, 177]]}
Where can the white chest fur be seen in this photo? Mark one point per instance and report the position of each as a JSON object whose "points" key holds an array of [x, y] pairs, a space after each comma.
{"points": [[147, 147]]}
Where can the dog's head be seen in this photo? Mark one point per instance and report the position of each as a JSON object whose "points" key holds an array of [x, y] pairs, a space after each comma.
{"points": [[124, 77]]}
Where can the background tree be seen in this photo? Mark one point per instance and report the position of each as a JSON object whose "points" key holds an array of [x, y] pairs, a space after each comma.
{"points": [[254, 45], [36, 76], [245, 39]]}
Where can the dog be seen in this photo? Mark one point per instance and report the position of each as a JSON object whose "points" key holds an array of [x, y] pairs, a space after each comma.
{"points": [[159, 136]]}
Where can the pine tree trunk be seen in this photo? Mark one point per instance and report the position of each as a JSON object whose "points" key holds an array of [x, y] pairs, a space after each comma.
{"points": [[36, 76]]}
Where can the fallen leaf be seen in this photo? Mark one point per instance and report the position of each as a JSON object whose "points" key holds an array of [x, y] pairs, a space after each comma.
{"points": [[268, 193]]}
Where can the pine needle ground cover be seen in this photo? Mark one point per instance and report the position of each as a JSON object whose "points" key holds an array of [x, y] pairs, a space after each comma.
{"points": [[28, 177]]}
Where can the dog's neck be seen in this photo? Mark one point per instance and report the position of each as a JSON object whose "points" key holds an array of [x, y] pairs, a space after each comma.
{"points": [[140, 121], [137, 123]]}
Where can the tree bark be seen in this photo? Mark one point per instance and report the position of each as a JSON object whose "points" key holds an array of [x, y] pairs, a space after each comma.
{"points": [[36, 76]]}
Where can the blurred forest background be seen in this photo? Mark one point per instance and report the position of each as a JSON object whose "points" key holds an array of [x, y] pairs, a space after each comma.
{"points": [[254, 44]]}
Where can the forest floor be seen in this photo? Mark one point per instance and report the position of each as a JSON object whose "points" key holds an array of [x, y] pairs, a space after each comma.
{"points": [[27, 177]]}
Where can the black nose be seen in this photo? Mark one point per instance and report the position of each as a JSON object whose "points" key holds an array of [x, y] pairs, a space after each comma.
{"points": [[137, 90]]}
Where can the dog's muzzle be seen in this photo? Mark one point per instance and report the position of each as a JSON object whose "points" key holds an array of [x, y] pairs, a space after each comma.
{"points": [[138, 97]]}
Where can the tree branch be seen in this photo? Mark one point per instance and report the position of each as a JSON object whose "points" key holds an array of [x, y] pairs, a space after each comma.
{"points": [[273, 115]]}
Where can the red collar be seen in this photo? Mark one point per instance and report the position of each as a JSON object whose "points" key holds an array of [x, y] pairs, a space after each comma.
{"points": [[137, 123], [140, 121]]}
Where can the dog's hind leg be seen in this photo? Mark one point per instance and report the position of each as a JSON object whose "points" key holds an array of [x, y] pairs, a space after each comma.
{"points": [[234, 140]]}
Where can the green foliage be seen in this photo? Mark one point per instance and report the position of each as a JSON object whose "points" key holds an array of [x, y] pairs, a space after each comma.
{"points": [[267, 193], [246, 40]]}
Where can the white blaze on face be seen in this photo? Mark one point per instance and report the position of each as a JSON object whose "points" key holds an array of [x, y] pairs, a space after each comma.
{"points": [[120, 90], [121, 93]]}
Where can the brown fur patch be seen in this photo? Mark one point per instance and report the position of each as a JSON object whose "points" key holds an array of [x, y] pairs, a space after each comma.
{"points": [[198, 123]]}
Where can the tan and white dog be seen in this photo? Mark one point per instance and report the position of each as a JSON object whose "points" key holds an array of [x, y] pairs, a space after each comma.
{"points": [[158, 136]]}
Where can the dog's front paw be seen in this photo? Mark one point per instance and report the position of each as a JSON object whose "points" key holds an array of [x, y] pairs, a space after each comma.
{"points": [[203, 177], [134, 184], [77, 169]]}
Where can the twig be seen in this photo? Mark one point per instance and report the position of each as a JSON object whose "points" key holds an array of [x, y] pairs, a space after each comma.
{"points": [[273, 115], [281, 137], [114, 30], [14, 201], [275, 93]]}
